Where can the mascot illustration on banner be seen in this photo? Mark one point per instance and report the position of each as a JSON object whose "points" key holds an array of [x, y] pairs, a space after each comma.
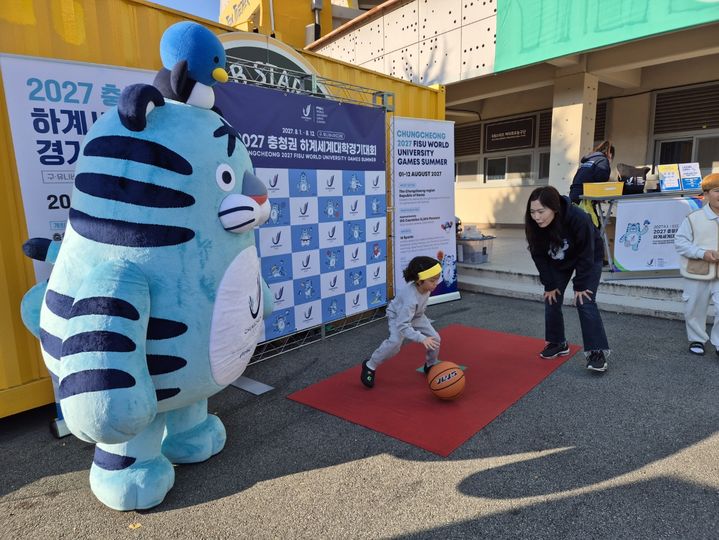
{"points": [[155, 301]]}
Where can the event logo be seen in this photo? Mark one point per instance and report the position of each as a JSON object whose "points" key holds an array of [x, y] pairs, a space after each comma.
{"points": [[273, 180], [307, 113], [331, 232], [276, 238], [278, 294], [331, 181], [355, 254], [375, 229], [308, 313], [306, 262], [376, 272], [355, 300]]}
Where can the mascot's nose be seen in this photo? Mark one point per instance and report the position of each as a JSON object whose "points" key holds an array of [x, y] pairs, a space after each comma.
{"points": [[256, 190]]}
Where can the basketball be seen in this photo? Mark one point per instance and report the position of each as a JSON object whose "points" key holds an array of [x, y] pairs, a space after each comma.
{"points": [[446, 380]]}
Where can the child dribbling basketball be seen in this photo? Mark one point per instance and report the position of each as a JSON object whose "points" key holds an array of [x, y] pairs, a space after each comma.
{"points": [[406, 318]]}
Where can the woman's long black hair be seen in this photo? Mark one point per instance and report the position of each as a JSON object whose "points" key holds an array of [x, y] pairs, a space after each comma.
{"points": [[539, 239]]}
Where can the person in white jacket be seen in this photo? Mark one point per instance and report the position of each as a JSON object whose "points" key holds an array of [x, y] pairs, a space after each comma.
{"points": [[697, 242], [406, 318]]}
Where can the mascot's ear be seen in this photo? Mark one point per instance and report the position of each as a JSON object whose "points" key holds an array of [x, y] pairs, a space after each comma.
{"points": [[136, 102]]}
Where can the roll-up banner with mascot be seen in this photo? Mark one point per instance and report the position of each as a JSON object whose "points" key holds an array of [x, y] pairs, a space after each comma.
{"points": [[156, 298]]}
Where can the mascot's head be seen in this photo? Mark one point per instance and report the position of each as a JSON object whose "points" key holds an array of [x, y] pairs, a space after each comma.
{"points": [[199, 47]]}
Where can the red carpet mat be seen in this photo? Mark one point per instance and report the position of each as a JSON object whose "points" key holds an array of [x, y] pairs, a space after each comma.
{"points": [[500, 369]]}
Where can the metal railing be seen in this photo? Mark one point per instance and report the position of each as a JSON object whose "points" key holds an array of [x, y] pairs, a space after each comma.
{"points": [[288, 80]]}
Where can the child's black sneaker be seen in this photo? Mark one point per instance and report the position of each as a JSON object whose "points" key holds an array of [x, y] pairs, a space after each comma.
{"points": [[427, 367], [367, 376], [695, 347], [597, 362], [552, 350]]}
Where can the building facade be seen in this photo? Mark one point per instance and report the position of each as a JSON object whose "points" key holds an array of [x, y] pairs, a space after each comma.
{"points": [[533, 84]]}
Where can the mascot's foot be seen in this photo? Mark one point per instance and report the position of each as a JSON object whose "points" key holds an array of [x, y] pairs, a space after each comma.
{"points": [[197, 444], [139, 486]]}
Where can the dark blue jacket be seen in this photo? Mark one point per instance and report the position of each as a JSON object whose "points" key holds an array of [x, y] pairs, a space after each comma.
{"points": [[582, 249], [593, 168]]}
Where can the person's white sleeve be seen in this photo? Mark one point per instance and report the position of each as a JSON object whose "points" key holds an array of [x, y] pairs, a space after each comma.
{"points": [[684, 242]]}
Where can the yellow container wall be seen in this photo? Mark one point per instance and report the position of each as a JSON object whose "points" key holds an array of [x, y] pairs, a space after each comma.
{"points": [[114, 32]]}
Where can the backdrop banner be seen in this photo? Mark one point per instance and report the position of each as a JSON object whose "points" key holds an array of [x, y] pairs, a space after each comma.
{"points": [[423, 198], [324, 249], [51, 105]]}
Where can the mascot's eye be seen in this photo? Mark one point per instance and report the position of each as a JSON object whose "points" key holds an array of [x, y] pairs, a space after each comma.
{"points": [[225, 177], [216, 59]]}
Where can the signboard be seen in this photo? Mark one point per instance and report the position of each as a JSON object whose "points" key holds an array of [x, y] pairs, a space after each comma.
{"points": [[509, 134], [645, 232], [264, 61], [423, 195], [669, 177], [324, 249], [51, 105], [691, 176]]}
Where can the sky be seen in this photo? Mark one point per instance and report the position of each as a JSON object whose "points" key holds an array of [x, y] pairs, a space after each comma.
{"points": [[208, 9]]}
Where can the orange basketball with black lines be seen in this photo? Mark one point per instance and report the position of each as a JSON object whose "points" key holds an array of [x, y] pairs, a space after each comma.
{"points": [[446, 380]]}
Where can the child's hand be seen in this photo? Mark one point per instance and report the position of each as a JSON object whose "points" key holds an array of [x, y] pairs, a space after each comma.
{"points": [[711, 255], [430, 343]]}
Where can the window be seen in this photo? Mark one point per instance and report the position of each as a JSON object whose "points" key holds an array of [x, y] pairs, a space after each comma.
{"points": [[517, 168], [543, 165], [676, 151], [467, 171], [708, 154]]}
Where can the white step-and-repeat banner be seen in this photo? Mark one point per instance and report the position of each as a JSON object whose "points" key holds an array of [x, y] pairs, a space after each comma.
{"points": [[423, 198]]}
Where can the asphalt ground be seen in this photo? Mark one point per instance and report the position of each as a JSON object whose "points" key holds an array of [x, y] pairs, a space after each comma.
{"points": [[633, 453]]}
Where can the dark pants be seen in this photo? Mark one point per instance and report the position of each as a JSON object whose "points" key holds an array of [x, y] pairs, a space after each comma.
{"points": [[593, 335]]}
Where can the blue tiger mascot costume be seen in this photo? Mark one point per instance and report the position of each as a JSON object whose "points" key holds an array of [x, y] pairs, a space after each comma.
{"points": [[155, 301]]}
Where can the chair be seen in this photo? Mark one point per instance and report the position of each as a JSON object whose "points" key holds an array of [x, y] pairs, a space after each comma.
{"points": [[634, 178]]}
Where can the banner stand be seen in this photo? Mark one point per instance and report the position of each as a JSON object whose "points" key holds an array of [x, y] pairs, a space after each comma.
{"points": [[252, 386]]}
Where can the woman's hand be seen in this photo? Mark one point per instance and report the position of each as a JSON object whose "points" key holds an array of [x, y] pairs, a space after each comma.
{"points": [[581, 296], [552, 296], [430, 343]]}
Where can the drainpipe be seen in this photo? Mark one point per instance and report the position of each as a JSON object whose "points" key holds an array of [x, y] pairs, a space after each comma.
{"points": [[272, 18], [316, 8]]}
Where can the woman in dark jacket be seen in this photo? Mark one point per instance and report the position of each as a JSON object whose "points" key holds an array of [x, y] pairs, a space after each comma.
{"points": [[563, 241], [594, 167]]}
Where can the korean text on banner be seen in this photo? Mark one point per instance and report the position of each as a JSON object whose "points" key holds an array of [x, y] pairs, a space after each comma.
{"points": [[51, 105], [323, 250]]}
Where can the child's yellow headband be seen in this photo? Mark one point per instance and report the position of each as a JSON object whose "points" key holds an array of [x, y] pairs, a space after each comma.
{"points": [[430, 272]]}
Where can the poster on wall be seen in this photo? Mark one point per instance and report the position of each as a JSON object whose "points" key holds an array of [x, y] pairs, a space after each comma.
{"points": [[423, 195], [51, 105], [323, 250], [645, 233]]}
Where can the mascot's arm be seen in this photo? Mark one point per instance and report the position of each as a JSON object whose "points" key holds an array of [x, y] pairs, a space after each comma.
{"points": [[106, 392], [39, 249], [266, 300]]}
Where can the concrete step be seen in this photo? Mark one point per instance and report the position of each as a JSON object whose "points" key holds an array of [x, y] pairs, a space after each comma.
{"points": [[614, 295]]}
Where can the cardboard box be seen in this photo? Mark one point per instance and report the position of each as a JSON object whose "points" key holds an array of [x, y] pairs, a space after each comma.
{"points": [[603, 189], [474, 251]]}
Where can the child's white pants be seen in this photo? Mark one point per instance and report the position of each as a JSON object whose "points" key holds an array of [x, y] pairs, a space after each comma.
{"points": [[697, 294]]}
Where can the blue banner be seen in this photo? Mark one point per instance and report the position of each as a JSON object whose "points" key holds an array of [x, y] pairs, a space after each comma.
{"points": [[323, 250]]}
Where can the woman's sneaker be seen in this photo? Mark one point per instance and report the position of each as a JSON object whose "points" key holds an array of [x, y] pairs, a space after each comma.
{"points": [[552, 350], [596, 361], [367, 376], [697, 348]]}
